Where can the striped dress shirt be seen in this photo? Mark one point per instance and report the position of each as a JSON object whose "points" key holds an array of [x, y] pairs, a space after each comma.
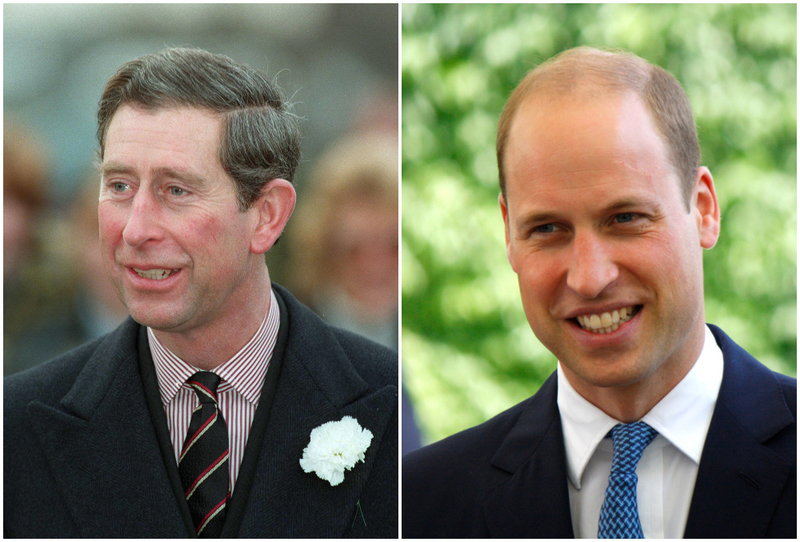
{"points": [[238, 393]]}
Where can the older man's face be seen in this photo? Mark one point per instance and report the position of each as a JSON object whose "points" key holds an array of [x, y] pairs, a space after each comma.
{"points": [[173, 239], [609, 260]]}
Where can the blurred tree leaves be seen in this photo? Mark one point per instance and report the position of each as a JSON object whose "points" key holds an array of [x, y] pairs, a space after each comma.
{"points": [[468, 351]]}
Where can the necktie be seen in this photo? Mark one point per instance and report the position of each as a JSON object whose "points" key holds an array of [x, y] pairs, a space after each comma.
{"points": [[619, 515], [203, 463]]}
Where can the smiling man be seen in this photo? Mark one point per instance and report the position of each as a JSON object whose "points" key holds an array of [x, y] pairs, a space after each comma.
{"points": [[654, 423], [191, 418]]}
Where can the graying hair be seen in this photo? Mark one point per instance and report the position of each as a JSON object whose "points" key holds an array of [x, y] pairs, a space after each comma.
{"points": [[261, 136]]}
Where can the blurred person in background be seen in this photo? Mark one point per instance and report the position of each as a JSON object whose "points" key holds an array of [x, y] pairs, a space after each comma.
{"points": [[222, 407], [88, 305], [31, 275], [24, 197], [345, 238]]}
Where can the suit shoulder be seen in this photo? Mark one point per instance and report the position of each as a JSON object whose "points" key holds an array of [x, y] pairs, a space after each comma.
{"points": [[789, 386], [374, 362], [468, 449], [310, 334], [444, 483], [49, 382], [743, 371]]}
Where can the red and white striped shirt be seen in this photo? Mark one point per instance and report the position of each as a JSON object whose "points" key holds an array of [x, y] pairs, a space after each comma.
{"points": [[238, 393]]}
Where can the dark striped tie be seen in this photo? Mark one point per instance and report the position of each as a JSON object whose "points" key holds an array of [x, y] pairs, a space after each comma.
{"points": [[203, 464]]}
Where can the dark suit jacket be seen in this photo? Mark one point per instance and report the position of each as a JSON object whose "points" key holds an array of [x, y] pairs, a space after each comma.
{"points": [[508, 477], [87, 452]]}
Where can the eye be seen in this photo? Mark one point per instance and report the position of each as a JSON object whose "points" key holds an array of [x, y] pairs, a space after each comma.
{"points": [[626, 217], [545, 228], [177, 191], [119, 186]]}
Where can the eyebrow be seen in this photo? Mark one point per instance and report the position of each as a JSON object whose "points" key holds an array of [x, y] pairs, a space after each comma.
{"points": [[188, 177], [114, 168], [181, 175], [626, 203]]}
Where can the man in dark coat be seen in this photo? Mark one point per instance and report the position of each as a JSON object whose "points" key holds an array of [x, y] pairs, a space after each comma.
{"points": [[197, 158], [654, 424]]}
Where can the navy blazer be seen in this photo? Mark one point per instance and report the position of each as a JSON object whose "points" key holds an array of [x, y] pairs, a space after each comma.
{"points": [[507, 477], [87, 453]]}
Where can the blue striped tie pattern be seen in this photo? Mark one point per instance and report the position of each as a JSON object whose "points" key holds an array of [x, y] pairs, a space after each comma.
{"points": [[619, 516], [203, 463]]}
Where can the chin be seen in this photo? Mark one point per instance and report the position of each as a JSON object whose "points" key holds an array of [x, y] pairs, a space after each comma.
{"points": [[610, 374], [153, 319]]}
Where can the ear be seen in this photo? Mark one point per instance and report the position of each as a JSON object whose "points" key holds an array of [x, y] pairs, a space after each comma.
{"points": [[273, 209], [504, 210], [706, 208]]}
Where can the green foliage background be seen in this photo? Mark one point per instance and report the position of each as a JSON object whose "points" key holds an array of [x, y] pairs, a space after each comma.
{"points": [[468, 351]]}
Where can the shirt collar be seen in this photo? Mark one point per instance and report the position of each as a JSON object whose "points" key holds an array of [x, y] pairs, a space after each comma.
{"points": [[244, 372], [682, 416]]}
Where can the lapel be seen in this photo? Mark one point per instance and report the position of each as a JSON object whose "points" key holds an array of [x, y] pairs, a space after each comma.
{"points": [[533, 455], [102, 449], [740, 479], [318, 383]]}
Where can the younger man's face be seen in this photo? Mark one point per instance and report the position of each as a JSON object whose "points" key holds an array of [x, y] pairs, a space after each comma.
{"points": [[608, 259]]}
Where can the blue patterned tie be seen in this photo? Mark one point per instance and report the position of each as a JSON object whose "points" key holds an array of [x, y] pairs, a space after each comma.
{"points": [[619, 516]]}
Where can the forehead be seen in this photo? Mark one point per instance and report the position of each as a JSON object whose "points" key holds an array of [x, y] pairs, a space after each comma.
{"points": [[166, 137], [571, 143]]}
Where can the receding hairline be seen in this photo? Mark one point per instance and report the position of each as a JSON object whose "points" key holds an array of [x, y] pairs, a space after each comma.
{"points": [[585, 70], [589, 72]]}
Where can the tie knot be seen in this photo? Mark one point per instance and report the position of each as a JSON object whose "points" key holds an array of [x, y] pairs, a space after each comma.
{"points": [[205, 385], [630, 440]]}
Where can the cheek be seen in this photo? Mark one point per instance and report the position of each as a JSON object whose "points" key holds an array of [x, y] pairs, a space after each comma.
{"points": [[207, 230], [539, 277], [111, 223], [671, 266], [222, 234]]}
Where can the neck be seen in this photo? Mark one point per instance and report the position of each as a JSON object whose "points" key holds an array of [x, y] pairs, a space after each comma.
{"points": [[209, 346], [630, 402]]}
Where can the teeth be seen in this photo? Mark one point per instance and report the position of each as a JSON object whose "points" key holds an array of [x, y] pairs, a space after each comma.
{"points": [[607, 321], [155, 274]]}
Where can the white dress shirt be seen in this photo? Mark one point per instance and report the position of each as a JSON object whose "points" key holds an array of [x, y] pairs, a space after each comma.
{"points": [[238, 393], [668, 468]]}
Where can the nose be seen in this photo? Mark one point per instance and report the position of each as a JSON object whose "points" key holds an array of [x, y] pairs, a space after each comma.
{"points": [[591, 269], [143, 220]]}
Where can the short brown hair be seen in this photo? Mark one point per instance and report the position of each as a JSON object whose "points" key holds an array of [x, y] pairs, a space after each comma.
{"points": [[617, 71], [261, 138]]}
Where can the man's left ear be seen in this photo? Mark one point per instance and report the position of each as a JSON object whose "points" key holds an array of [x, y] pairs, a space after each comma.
{"points": [[274, 207], [706, 208]]}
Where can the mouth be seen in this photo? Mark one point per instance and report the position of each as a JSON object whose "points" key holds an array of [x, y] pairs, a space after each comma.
{"points": [[606, 322], [155, 274]]}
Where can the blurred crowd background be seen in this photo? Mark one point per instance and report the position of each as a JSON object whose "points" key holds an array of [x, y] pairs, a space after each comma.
{"points": [[468, 351], [338, 63]]}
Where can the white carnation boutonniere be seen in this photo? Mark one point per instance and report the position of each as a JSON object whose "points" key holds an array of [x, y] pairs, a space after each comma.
{"points": [[335, 447]]}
